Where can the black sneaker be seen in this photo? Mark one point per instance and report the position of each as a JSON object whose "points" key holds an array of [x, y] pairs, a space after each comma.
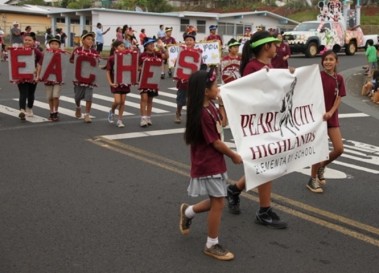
{"points": [[169, 73], [270, 219], [233, 198], [162, 76], [184, 222]]}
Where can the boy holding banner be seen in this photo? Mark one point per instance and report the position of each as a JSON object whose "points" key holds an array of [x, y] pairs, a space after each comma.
{"points": [[150, 62], [85, 60], [184, 69], [24, 65], [52, 75]]}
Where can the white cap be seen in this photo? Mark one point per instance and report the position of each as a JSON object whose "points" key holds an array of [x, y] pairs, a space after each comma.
{"points": [[15, 23], [1, 32]]}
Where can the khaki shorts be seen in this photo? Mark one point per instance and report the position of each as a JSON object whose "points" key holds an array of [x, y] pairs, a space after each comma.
{"points": [[53, 91]]}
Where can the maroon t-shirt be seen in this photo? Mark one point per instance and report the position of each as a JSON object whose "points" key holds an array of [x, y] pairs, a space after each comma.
{"points": [[329, 84], [253, 66], [123, 89], [205, 159], [281, 51]]}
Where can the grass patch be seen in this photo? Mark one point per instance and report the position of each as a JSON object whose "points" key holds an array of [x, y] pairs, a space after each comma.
{"points": [[306, 15]]}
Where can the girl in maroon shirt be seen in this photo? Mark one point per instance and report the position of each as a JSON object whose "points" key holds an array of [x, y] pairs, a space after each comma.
{"points": [[27, 88], [334, 89], [208, 168], [257, 54]]}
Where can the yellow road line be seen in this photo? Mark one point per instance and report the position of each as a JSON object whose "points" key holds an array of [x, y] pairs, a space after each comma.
{"points": [[183, 169]]}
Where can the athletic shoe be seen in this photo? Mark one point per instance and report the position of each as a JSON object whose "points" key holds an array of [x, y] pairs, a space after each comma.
{"points": [[78, 112], [51, 117], [314, 186], [169, 73], [184, 222], [143, 122], [233, 198], [177, 118], [87, 118], [162, 76], [270, 219], [219, 253], [22, 114], [120, 124], [110, 117], [55, 117], [29, 112], [320, 175], [148, 121]]}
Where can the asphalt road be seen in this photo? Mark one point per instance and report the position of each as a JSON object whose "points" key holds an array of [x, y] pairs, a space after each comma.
{"points": [[92, 198]]}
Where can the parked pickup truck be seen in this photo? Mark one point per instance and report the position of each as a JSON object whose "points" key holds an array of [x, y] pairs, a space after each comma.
{"points": [[373, 37], [311, 37]]}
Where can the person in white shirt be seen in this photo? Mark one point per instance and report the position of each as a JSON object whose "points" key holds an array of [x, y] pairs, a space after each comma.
{"points": [[99, 37]]}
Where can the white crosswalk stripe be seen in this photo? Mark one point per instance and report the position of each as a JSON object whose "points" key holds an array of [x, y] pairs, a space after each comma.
{"points": [[100, 106]]}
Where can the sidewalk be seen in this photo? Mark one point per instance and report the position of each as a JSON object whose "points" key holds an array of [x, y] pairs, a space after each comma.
{"points": [[354, 79]]}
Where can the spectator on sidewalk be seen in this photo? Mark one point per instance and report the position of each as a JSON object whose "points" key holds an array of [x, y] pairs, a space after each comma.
{"points": [[99, 37], [16, 37]]}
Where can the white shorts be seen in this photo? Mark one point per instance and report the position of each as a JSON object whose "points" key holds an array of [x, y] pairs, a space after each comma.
{"points": [[53, 91]]}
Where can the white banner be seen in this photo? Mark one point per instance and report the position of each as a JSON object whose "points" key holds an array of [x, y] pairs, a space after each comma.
{"points": [[276, 119], [211, 53]]}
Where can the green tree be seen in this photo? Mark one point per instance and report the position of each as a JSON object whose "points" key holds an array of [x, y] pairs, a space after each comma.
{"points": [[79, 4], [149, 5]]}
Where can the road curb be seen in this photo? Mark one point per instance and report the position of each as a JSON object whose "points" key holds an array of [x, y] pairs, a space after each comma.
{"points": [[354, 79]]}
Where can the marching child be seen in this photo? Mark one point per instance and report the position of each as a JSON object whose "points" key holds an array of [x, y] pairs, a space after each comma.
{"points": [[147, 95], [182, 85], [53, 90], [27, 88], [84, 91], [256, 55], [119, 91], [208, 167], [334, 89], [230, 64]]}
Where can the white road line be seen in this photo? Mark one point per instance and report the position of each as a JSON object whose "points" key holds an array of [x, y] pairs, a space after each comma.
{"points": [[354, 166], [14, 113], [144, 134], [132, 104], [353, 115], [61, 110], [106, 98], [155, 100]]}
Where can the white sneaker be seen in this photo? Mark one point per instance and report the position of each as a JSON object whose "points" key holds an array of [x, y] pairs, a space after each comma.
{"points": [[148, 121], [29, 112], [87, 118], [143, 122], [120, 124]]}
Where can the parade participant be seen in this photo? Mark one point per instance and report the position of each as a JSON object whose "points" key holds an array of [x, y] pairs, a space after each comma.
{"points": [[16, 37], [84, 90], [182, 85], [119, 91], [147, 95], [256, 55], [27, 87], [208, 167], [213, 36], [230, 64], [99, 37], [168, 40], [53, 89], [283, 52], [334, 89]]}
